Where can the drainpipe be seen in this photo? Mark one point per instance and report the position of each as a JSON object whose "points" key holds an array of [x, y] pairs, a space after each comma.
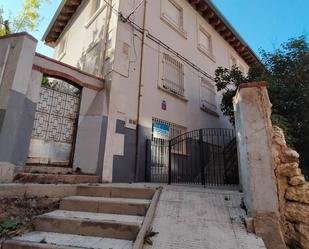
{"points": [[139, 99]]}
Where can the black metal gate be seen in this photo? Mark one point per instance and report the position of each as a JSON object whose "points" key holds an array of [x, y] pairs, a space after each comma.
{"points": [[205, 156]]}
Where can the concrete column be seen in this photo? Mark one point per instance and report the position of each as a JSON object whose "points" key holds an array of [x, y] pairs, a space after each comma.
{"points": [[17, 106], [254, 136], [91, 133]]}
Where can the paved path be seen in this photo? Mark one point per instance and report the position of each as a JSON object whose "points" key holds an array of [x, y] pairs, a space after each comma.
{"points": [[197, 218]]}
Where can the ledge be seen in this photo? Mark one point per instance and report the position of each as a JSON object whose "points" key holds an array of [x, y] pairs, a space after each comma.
{"points": [[183, 98], [180, 31], [211, 112], [253, 84]]}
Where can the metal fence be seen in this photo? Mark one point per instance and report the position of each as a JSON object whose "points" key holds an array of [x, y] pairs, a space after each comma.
{"points": [[205, 156]]}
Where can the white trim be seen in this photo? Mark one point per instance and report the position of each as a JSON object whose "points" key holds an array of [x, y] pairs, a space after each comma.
{"points": [[95, 15], [63, 53], [209, 53], [170, 22]]}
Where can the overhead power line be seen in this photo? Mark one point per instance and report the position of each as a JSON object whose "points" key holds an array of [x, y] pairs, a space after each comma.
{"points": [[156, 40]]}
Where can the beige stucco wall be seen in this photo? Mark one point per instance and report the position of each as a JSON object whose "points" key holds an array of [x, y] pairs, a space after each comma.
{"points": [[123, 70]]}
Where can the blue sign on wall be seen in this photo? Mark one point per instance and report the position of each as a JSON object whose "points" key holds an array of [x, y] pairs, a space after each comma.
{"points": [[161, 131]]}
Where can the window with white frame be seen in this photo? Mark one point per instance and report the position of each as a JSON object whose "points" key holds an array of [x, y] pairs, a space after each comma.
{"points": [[172, 14], [62, 48], [95, 6], [233, 61], [208, 95], [91, 59], [242, 69], [174, 131], [173, 75], [205, 41]]}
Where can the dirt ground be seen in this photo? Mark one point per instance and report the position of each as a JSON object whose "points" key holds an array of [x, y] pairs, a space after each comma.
{"points": [[16, 215]]}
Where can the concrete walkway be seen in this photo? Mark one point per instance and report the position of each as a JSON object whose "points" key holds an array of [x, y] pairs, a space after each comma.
{"points": [[197, 218]]}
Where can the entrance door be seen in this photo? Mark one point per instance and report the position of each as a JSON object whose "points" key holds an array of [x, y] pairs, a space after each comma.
{"points": [[55, 125]]}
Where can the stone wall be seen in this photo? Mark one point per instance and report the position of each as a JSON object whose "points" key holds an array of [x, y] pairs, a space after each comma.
{"points": [[293, 192]]}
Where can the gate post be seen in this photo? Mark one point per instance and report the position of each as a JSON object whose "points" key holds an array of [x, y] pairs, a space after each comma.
{"points": [[201, 145], [18, 95], [169, 162]]}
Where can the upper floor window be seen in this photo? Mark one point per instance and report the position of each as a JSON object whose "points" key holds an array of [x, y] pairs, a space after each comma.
{"points": [[96, 8], [208, 95], [172, 14], [173, 75], [205, 42], [61, 48], [91, 60], [233, 61]]}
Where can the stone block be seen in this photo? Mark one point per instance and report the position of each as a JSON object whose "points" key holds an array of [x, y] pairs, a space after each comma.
{"points": [[297, 180], [297, 212], [288, 169], [267, 226], [303, 231], [7, 172], [298, 193]]}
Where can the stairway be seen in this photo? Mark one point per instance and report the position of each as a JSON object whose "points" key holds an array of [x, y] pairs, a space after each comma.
{"points": [[97, 217], [52, 175]]}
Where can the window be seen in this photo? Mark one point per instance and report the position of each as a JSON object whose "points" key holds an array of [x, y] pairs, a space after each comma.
{"points": [[208, 95], [91, 60], [61, 48], [96, 8], [205, 42], [233, 61], [173, 75], [172, 14], [174, 131], [242, 69]]}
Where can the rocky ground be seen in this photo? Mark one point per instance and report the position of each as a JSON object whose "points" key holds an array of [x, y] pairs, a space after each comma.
{"points": [[16, 215]]}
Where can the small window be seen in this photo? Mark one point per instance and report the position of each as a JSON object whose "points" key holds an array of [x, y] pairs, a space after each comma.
{"points": [[172, 14], [242, 69], [175, 13], [174, 130], [208, 95], [233, 61], [61, 48], [95, 6], [91, 60], [205, 42], [173, 75]]}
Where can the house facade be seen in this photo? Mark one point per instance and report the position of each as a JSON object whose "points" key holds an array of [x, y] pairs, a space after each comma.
{"points": [[158, 60]]}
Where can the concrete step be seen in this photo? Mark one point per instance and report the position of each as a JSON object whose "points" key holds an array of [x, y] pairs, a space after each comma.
{"points": [[52, 178], [117, 192], [105, 205], [114, 226], [46, 240], [47, 170]]}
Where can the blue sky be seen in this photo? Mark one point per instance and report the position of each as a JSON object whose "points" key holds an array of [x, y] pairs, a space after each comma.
{"points": [[262, 23]]}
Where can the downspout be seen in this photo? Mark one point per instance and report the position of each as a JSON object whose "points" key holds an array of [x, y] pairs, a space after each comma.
{"points": [[139, 99]]}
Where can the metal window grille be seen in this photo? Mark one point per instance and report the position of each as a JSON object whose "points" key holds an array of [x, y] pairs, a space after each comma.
{"points": [[160, 147], [208, 95], [173, 75]]}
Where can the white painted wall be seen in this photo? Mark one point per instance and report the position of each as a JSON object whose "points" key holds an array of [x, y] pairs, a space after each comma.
{"points": [[123, 71]]}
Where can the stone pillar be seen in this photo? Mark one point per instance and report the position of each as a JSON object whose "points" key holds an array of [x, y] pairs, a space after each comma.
{"points": [[254, 136], [17, 105]]}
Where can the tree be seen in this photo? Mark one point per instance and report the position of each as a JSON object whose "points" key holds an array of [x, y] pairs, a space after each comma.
{"points": [[25, 20], [287, 72]]}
